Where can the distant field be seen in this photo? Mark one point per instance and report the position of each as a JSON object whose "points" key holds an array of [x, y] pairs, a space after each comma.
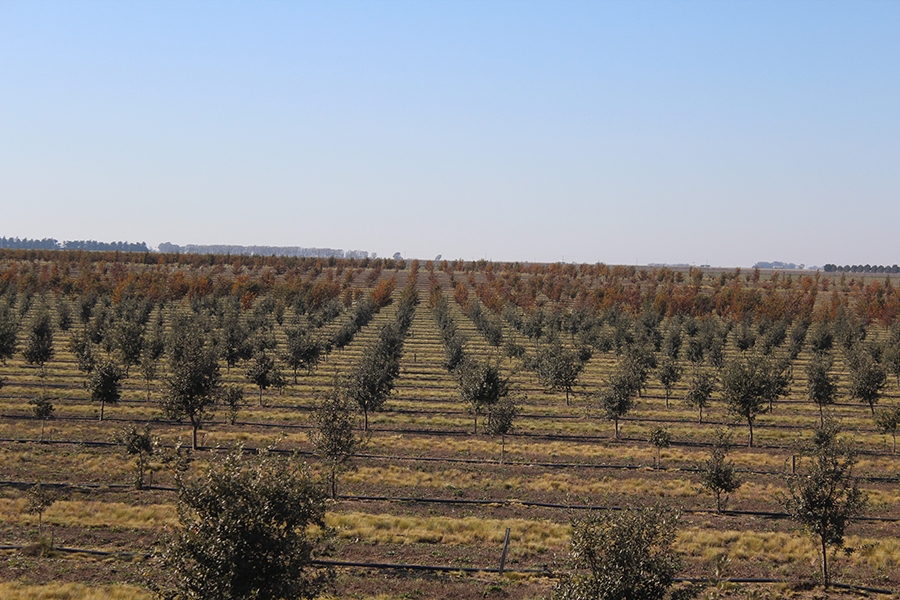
{"points": [[427, 490]]}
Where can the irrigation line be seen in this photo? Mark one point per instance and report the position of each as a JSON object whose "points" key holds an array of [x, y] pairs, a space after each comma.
{"points": [[456, 569], [469, 461], [24, 485], [434, 432]]}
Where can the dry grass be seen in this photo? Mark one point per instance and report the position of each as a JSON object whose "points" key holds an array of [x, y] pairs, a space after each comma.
{"points": [[527, 537], [71, 513], [71, 591]]}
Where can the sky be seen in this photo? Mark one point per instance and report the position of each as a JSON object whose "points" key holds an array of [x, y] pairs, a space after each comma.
{"points": [[721, 133]]}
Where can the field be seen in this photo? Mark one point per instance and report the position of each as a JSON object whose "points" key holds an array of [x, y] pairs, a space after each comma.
{"points": [[427, 490]]}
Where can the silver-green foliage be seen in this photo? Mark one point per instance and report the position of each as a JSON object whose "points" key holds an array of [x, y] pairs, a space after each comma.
{"points": [[245, 533], [622, 555]]}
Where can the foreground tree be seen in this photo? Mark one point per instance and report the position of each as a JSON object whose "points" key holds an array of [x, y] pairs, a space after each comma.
{"points": [[245, 533], [627, 554], [825, 496]]}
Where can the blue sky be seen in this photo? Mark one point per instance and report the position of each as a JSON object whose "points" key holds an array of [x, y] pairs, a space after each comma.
{"points": [[621, 132]]}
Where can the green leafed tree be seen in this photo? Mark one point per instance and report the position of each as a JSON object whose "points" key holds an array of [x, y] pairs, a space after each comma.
{"points": [[669, 373], [104, 384], [39, 347], [867, 379], [821, 387], [500, 421], [823, 496], [744, 389], [192, 387], [719, 475], [334, 434], [888, 421], [481, 385], [247, 533], [700, 390], [618, 555], [41, 408], [141, 445]]}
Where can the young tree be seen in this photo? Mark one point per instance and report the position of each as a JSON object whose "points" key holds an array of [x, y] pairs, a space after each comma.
{"points": [[129, 341], [743, 387], [820, 386], [559, 368], [41, 408], [39, 347], [618, 397], [372, 380], [333, 435], [302, 351], [193, 383], [37, 500], [9, 331], [888, 421], [718, 475], [245, 533], [264, 373], [480, 387], [660, 438], [700, 391], [824, 497], [867, 379], [140, 444], [669, 373], [626, 554], [501, 421], [232, 396], [104, 385], [80, 345], [775, 380]]}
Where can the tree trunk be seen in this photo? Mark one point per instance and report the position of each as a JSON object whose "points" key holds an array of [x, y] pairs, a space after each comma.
{"points": [[824, 563], [194, 428], [750, 443], [101, 410]]}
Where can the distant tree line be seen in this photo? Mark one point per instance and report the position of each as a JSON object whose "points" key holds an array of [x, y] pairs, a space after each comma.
{"points": [[263, 251], [88, 245], [830, 268]]}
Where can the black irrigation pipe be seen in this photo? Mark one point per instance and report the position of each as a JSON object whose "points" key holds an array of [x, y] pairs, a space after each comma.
{"points": [[23, 485], [470, 461], [750, 513], [455, 569], [436, 432]]}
